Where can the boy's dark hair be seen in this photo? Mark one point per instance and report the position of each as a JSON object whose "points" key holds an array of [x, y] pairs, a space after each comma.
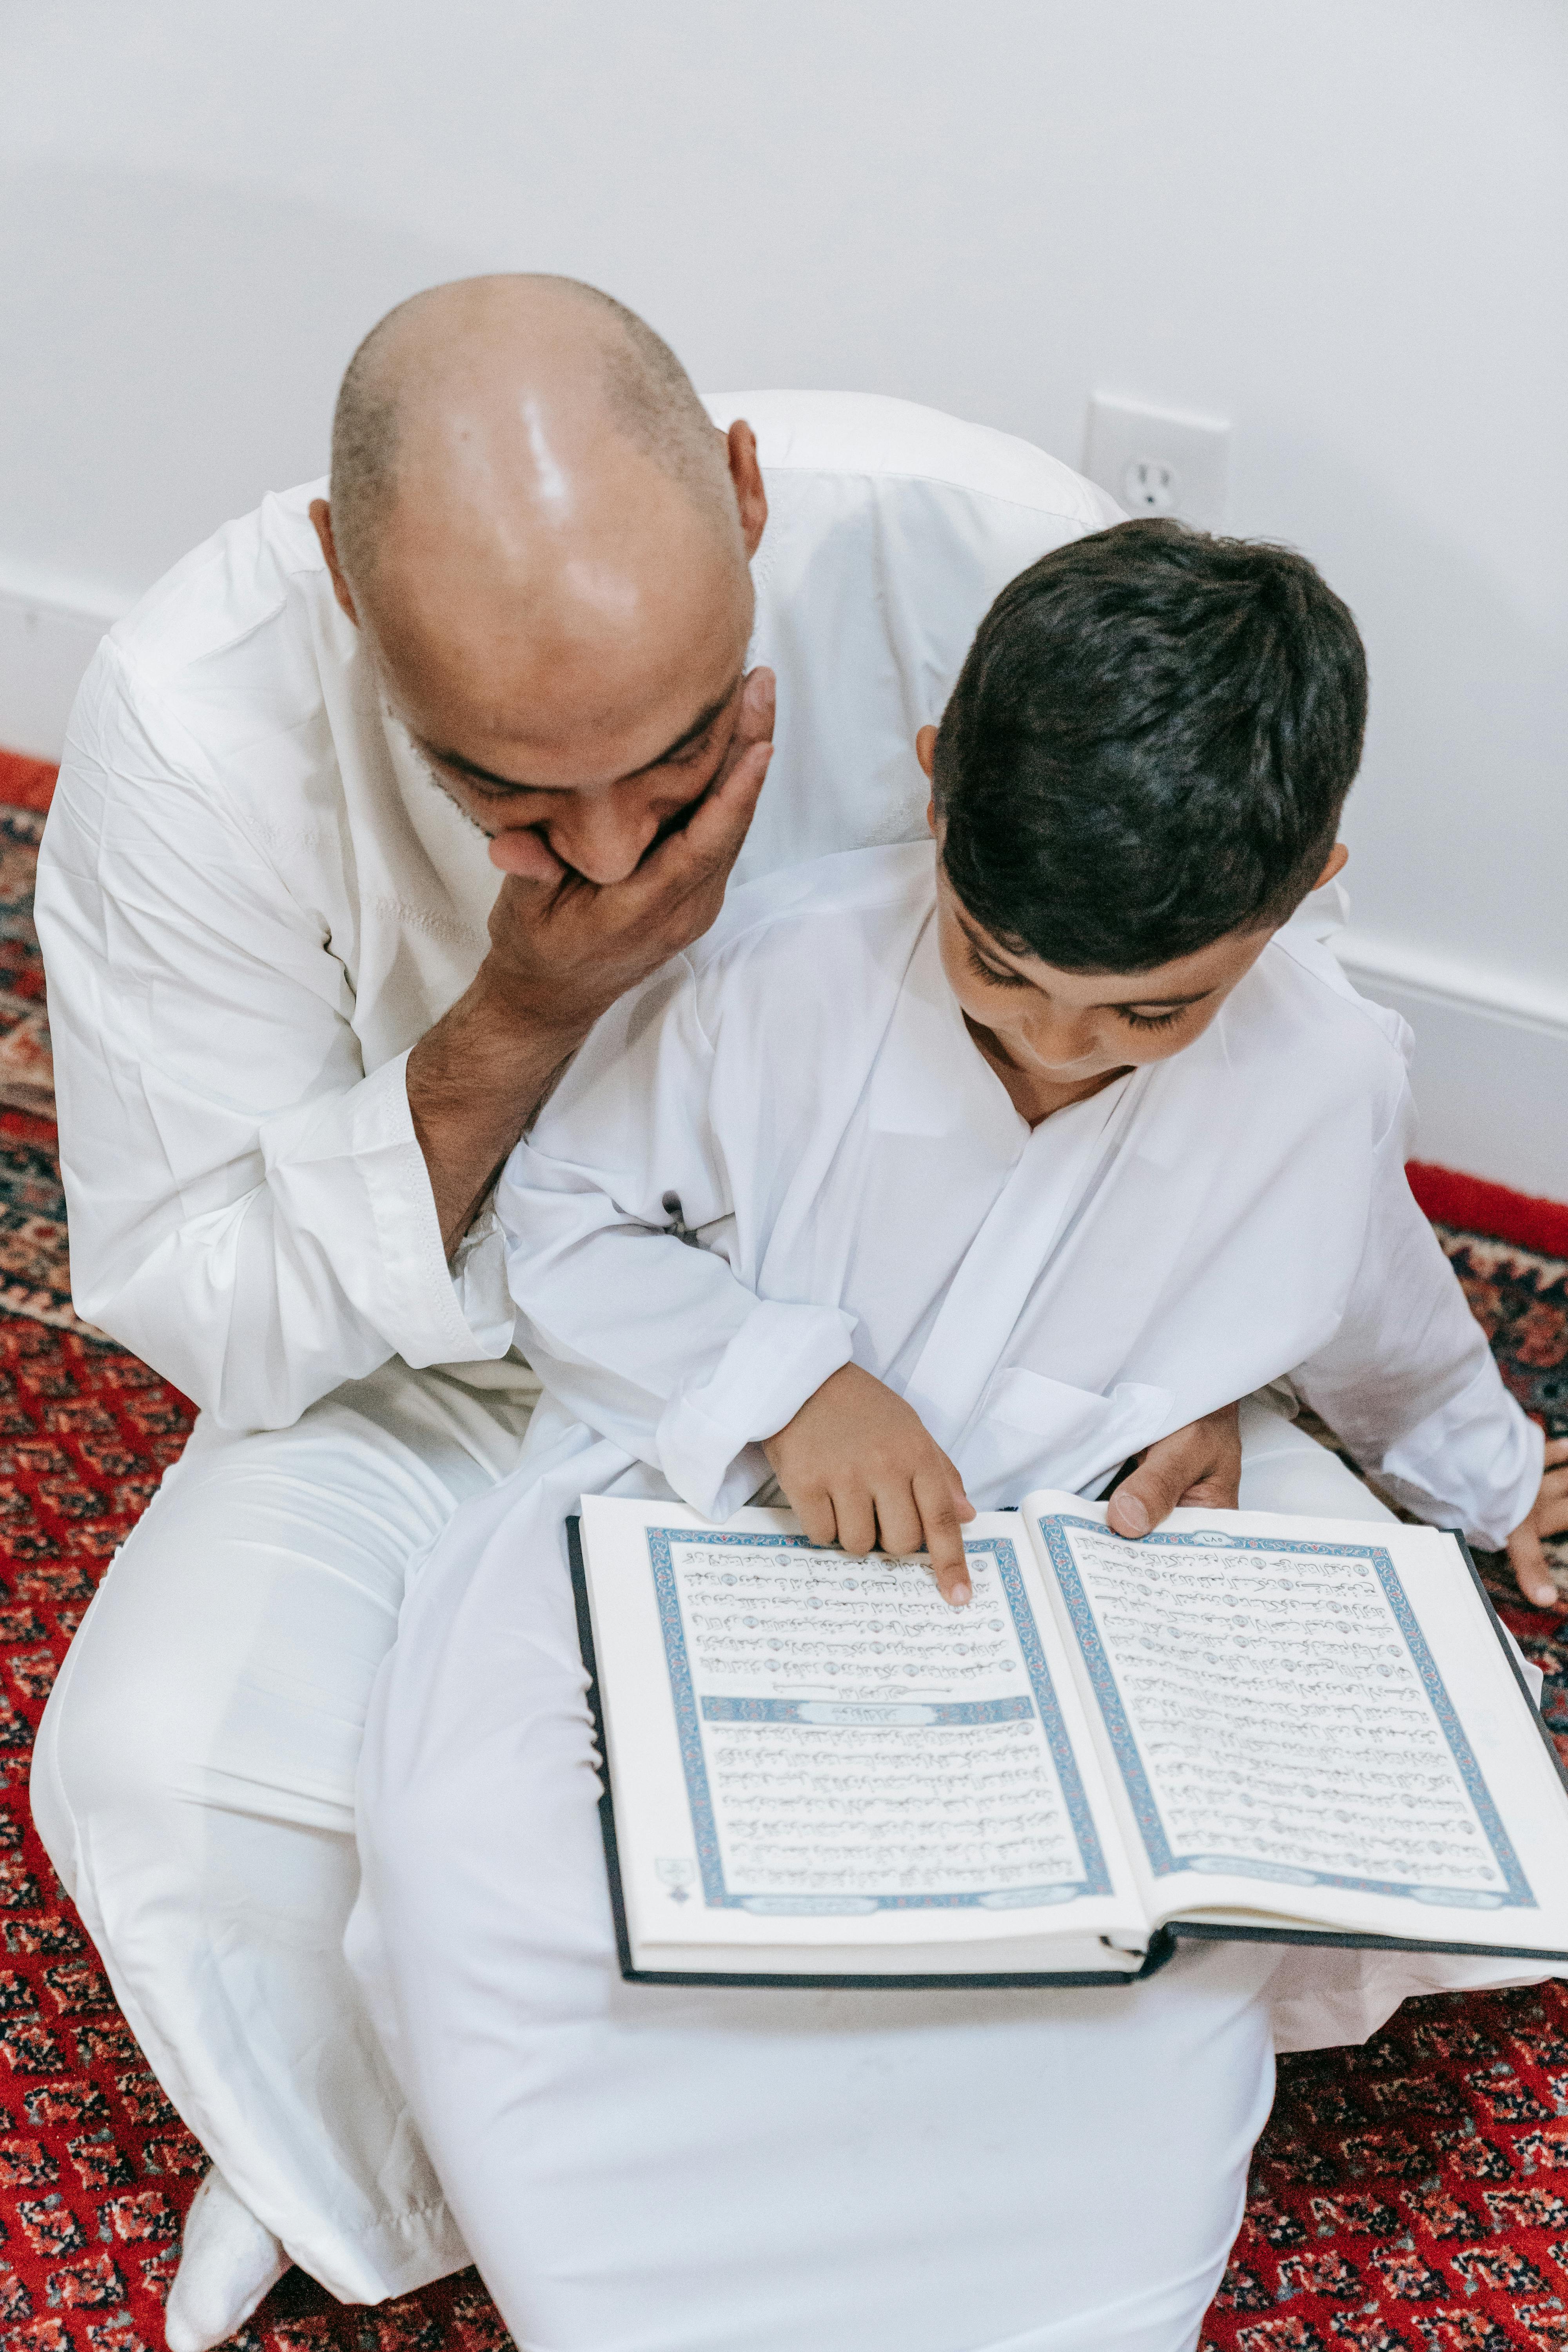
{"points": [[1149, 746]]}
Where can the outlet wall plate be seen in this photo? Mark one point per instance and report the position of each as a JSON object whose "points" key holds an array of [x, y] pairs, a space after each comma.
{"points": [[1154, 461]]}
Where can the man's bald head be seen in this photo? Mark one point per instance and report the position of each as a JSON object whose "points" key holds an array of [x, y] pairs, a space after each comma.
{"points": [[411, 365], [544, 541]]}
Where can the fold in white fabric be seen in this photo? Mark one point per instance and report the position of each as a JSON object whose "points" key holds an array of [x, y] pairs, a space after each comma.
{"points": [[650, 2169], [643, 2168]]}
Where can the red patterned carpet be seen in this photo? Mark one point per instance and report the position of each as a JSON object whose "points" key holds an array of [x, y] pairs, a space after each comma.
{"points": [[1408, 2197]]}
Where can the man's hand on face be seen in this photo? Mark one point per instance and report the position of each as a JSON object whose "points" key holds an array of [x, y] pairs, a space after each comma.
{"points": [[1198, 1467], [861, 1470], [564, 948]]}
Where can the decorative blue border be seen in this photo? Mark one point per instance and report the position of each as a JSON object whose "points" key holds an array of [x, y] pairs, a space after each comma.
{"points": [[1162, 1861], [688, 1725], [866, 1711]]}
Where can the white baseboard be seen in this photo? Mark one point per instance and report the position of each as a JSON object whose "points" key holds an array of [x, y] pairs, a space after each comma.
{"points": [[1491, 1064], [46, 641]]}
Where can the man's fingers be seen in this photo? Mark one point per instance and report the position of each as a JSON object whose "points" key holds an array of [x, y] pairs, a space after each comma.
{"points": [[1531, 1574], [1165, 1474], [723, 818], [759, 702], [696, 858], [720, 822], [1202, 1462], [1128, 1513], [526, 853]]}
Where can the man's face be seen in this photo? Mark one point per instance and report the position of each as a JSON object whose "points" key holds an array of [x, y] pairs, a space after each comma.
{"points": [[596, 805], [569, 669]]}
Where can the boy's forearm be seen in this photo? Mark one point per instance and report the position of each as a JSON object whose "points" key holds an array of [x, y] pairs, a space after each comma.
{"points": [[658, 1346]]}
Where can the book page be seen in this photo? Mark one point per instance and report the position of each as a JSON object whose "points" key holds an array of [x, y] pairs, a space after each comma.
{"points": [[850, 1749], [1279, 1714]]}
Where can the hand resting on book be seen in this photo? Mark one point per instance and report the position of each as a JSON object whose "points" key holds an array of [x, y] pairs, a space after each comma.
{"points": [[861, 1469], [1197, 1469]]}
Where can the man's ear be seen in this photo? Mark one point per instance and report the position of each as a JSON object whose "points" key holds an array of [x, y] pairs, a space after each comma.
{"points": [[746, 474], [1339, 856], [321, 516], [925, 752]]}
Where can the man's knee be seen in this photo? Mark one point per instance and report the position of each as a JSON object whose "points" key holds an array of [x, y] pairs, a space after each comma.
{"points": [[228, 1657], [116, 1735], [1283, 1469]]}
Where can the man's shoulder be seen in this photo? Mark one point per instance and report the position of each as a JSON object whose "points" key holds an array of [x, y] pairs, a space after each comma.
{"points": [[861, 434], [229, 640], [1299, 1014]]}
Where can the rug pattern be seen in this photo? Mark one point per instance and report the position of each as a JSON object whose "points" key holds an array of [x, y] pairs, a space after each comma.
{"points": [[96, 2168], [1408, 2197], [27, 1072]]}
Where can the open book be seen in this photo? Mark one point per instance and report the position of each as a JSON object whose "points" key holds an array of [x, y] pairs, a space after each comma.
{"points": [[1245, 1725]]}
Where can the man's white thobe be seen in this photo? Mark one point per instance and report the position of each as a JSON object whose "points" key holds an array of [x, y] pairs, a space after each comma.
{"points": [[644, 2170]]}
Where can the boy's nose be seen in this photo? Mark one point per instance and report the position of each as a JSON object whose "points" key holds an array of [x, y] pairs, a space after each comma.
{"points": [[1060, 1039]]}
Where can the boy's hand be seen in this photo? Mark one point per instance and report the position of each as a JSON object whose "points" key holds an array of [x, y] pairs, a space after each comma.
{"points": [[861, 1469], [1549, 1516]]}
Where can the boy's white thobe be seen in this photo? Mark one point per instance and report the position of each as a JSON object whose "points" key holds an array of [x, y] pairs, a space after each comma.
{"points": [[641, 2169], [1051, 1300]]}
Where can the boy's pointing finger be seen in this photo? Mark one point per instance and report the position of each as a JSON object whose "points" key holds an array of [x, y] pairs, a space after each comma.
{"points": [[944, 1541]]}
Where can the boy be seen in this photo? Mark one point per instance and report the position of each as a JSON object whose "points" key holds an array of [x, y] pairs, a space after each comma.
{"points": [[1059, 1141], [1000, 1165]]}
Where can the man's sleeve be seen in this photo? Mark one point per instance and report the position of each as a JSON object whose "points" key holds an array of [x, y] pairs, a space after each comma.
{"points": [[1408, 1382], [652, 1342], [248, 1210]]}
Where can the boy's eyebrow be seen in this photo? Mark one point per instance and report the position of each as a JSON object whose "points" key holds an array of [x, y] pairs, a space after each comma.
{"points": [[983, 946], [698, 727]]}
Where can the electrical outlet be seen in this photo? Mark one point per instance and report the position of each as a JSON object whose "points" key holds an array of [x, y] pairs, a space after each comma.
{"points": [[1155, 463]]}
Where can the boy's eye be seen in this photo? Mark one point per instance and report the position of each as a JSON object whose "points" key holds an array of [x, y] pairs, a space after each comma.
{"points": [[995, 973], [1149, 1020]]}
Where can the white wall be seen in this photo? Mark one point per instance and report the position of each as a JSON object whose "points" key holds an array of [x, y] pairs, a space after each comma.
{"points": [[1339, 223]]}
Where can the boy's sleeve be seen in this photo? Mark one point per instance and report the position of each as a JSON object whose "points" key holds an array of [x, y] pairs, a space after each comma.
{"points": [[654, 1343], [1408, 1382]]}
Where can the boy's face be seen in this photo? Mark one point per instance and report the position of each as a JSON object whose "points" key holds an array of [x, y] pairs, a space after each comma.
{"points": [[1064, 1028]]}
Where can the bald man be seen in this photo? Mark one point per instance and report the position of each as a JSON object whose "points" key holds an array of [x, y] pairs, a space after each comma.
{"points": [[367, 812]]}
